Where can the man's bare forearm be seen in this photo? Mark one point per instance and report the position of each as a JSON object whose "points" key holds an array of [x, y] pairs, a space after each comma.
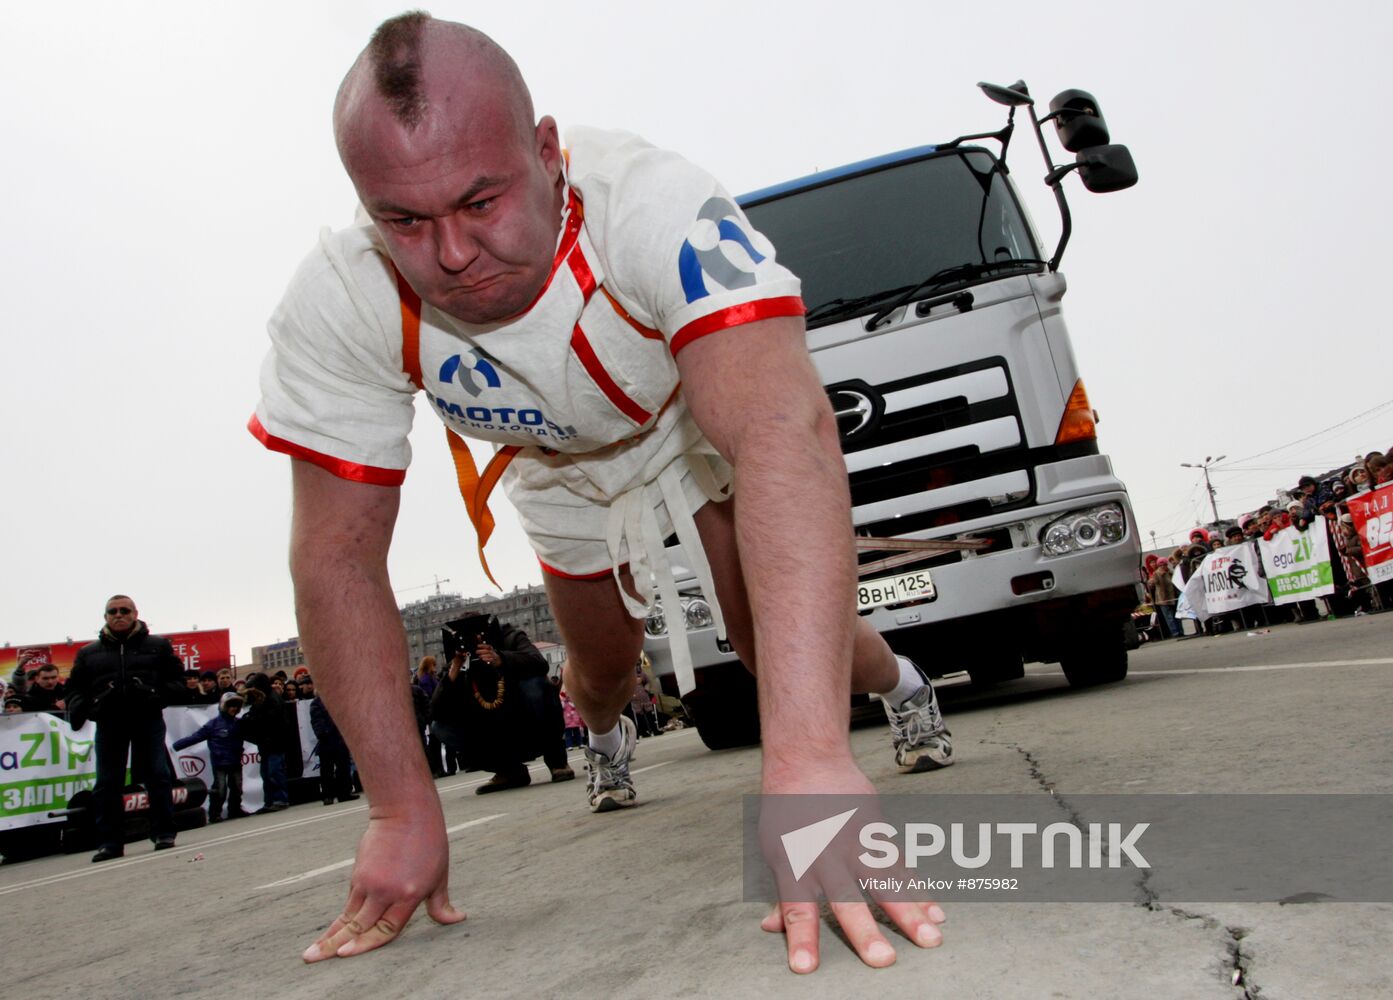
{"points": [[795, 538], [756, 395], [352, 634]]}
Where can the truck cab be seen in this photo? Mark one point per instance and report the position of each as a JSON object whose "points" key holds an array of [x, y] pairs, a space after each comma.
{"points": [[991, 528]]}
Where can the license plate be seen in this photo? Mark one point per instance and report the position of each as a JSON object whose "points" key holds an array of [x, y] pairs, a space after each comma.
{"points": [[894, 590]]}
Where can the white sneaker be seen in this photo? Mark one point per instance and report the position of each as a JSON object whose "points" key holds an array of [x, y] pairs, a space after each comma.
{"points": [[609, 784], [922, 741]]}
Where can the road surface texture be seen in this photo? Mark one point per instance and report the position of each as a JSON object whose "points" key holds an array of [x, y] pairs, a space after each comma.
{"points": [[647, 903]]}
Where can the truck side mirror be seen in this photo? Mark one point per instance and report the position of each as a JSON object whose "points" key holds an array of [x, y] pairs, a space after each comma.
{"points": [[1014, 96], [1078, 121], [1107, 168]]}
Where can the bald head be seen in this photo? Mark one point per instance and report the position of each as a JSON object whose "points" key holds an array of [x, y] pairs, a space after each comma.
{"points": [[418, 72]]}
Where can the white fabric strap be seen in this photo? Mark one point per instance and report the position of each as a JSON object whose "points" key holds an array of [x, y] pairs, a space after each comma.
{"points": [[633, 525]]}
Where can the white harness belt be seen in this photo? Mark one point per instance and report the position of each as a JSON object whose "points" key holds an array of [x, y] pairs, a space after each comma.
{"points": [[633, 521]]}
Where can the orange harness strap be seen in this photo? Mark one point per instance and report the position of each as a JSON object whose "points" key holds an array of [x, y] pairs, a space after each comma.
{"points": [[473, 488]]}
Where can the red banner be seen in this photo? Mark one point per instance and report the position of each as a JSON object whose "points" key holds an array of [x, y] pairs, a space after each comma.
{"points": [[207, 649], [1373, 518]]}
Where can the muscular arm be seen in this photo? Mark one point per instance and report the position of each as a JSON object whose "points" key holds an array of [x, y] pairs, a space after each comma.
{"points": [[756, 396], [354, 642]]}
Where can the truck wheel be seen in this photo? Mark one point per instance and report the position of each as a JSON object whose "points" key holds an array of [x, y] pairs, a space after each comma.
{"points": [[1099, 659], [724, 707]]}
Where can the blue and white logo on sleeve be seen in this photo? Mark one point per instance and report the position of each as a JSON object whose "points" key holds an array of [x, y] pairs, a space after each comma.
{"points": [[706, 251], [481, 367]]}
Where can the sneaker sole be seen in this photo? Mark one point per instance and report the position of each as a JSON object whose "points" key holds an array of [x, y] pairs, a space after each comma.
{"points": [[926, 763], [611, 804]]}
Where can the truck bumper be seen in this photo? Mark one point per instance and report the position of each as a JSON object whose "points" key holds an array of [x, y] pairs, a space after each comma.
{"points": [[1006, 601]]}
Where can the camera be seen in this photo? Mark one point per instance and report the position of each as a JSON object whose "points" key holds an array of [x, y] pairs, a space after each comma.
{"points": [[464, 634]]}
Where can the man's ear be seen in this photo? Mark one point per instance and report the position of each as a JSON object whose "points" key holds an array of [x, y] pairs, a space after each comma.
{"points": [[547, 142]]}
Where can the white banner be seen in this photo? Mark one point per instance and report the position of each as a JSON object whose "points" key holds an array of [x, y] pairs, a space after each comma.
{"points": [[1187, 594], [1229, 579], [193, 762], [43, 763], [309, 743], [1298, 564]]}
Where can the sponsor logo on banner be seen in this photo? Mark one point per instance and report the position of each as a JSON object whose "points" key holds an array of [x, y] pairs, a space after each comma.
{"points": [[1298, 564], [1227, 580], [1373, 519], [43, 764]]}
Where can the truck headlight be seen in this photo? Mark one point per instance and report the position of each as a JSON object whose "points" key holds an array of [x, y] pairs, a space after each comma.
{"points": [[695, 610], [699, 614], [1084, 529]]}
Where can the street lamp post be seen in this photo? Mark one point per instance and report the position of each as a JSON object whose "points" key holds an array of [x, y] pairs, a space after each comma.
{"points": [[1208, 461]]}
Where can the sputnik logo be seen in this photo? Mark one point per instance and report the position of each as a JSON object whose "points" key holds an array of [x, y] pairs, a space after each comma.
{"points": [[806, 844]]}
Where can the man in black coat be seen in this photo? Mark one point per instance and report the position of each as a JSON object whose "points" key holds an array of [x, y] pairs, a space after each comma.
{"points": [[503, 712], [123, 682]]}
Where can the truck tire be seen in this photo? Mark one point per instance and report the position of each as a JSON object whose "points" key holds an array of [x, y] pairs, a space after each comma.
{"points": [[1101, 658], [724, 707]]}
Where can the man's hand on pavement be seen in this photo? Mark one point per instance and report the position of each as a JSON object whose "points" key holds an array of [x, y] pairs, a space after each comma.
{"points": [[834, 875], [402, 861]]}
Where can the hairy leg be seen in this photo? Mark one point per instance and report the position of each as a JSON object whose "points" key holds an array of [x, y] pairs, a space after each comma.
{"points": [[873, 666], [603, 641]]}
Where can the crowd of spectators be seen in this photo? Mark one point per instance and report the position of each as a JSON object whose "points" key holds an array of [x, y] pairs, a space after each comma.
{"points": [[1313, 504]]}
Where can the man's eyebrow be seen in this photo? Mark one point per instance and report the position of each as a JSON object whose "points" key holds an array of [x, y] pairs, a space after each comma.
{"points": [[471, 193]]}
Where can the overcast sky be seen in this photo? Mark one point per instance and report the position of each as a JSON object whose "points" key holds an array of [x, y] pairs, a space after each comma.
{"points": [[165, 166]]}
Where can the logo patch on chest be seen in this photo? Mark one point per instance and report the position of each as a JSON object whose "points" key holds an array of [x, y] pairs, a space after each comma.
{"points": [[470, 369]]}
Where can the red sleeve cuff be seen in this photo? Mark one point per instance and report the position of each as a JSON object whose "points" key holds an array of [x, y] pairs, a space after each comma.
{"points": [[351, 471], [746, 312]]}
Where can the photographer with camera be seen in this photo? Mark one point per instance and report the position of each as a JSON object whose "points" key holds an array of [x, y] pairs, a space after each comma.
{"points": [[123, 682], [498, 713]]}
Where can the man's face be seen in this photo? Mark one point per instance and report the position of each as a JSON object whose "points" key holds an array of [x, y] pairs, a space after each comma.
{"points": [[468, 207], [47, 679], [13, 708], [224, 678], [307, 689], [120, 615], [207, 684]]}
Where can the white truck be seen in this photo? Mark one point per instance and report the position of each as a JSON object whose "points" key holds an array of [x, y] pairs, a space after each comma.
{"points": [[935, 322]]}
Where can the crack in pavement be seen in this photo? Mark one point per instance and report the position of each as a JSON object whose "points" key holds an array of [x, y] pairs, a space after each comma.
{"points": [[1237, 963]]}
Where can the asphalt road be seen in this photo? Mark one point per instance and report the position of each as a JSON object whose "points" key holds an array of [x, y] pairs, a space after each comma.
{"points": [[647, 903]]}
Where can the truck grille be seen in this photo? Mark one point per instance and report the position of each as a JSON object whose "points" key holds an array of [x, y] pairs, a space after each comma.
{"points": [[933, 449]]}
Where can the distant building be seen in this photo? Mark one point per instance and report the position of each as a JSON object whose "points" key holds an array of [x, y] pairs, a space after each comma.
{"points": [[526, 608], [285, 656]]}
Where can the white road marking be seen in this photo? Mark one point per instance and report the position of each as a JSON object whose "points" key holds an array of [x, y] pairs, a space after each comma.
{"points": [[1383, 661], [650, 767], [345, 863]]}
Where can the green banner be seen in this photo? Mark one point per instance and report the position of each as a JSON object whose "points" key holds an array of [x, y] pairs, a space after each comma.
{"points": [[41, 794], [1303, 582]]}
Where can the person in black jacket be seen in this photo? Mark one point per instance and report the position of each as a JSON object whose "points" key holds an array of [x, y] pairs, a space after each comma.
{"points": [[335, 778], [46, 691], [502, 712], [123, 682], [265, 725]]}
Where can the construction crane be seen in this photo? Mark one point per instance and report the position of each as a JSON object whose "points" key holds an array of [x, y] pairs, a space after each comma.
{"points": [[423, 586]]}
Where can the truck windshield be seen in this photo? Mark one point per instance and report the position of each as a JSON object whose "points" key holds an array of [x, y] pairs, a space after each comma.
{"points": [[859, 241]]}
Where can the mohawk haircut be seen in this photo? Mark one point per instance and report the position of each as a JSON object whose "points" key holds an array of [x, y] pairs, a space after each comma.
{"points": [[395, 53]]}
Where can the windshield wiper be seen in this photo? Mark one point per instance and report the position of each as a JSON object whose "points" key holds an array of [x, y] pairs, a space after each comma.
{"points": [[948, 276], [850, 306]]}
